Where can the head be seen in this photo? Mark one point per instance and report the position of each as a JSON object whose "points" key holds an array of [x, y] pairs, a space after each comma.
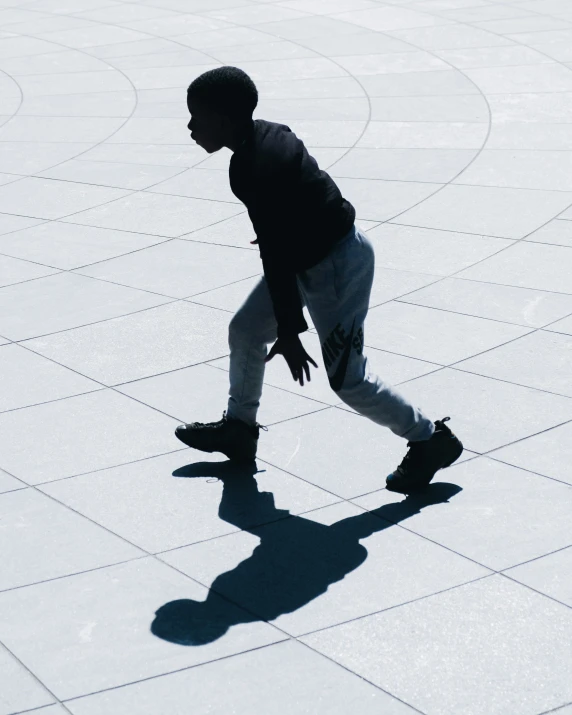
{"points": [[192, 623], [221, 103]]}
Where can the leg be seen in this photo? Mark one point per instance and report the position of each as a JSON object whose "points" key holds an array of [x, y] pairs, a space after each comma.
{"points": [[337, 293], [250, 331]]}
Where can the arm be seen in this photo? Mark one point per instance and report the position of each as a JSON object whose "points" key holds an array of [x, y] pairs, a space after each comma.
{"points": [[283, 288]]}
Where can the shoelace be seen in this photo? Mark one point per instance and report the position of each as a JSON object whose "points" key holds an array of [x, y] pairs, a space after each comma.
{"points": [[411, 459], [221, 422], [414, 456]]}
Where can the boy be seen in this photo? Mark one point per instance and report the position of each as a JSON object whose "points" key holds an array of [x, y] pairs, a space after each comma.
{"points": [[312, 255]]}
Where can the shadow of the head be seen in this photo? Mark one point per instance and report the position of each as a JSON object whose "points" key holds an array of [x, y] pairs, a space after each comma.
{"points": [[192, 623]]}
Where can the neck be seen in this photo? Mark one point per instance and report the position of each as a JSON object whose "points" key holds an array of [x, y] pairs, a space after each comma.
{"points": [[240, 135]]}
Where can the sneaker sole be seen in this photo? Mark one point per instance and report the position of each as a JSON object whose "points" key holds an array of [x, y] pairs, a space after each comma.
{"points": [[238, 459]]}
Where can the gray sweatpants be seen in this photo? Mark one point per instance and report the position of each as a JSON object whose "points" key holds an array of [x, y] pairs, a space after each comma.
{"points": [[336, 293]]}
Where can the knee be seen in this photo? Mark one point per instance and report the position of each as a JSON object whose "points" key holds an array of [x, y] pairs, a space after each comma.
{"points": [[238, 329]]}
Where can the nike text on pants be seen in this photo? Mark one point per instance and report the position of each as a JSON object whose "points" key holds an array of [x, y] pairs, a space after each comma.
{"points": [[336, 293]]}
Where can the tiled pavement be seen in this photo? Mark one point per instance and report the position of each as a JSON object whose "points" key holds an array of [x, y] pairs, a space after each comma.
{"points": [[139, 578]]}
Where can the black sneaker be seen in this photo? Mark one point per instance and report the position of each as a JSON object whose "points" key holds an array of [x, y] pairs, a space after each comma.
{"points": [[424, 459], [234, 438]]}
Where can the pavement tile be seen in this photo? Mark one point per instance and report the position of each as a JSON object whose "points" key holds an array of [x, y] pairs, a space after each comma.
{"points": [[493, 56], [527, 265], [307, 27], [549, 574], [50, 380], [538, 78], [410, 330], [538, 360], [504, 520], [493, 211], [69, 83], [184, 394], [62, 129], [157, 214], [430, 251], [450, 36], [531, 107], [255, 14], [562, 326], [199, 184], [427, 135], [295, 68], [389, 284], [548, 170], [148, 154], [96, 627], [50, 199], [13, 270], [81, 434], [384, 200], [171, 501], [178, 269], [487, 413], [313, 109], [20, 689], [115, 103], [381, 19], [67, 246], [124, 176], [558, 232], [436, 83], [343, 88], [229, 297], [43, 540], [50, 710], [141, 345], [521, 306], [286, 675], [396, 62], [522, 137], [499, 647], [63, 301], [346, 467], [30, 157], [449, 111], [152, 130], [425, 165], [546, 453], [235, 231], [9, 483], [9, 223], [93, 36]]}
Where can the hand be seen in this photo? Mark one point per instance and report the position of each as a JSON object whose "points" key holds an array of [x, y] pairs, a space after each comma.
{"points": [[295, 355]]}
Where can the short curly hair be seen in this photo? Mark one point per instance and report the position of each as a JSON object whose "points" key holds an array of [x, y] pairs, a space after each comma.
{"points": [[227, 90]]}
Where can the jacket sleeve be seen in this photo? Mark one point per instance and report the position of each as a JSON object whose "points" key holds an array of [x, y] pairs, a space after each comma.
{"points": [[283, 287], [277, 181]]}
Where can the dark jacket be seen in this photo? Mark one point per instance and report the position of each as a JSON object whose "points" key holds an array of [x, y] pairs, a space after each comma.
{"points": [[297, 212]]}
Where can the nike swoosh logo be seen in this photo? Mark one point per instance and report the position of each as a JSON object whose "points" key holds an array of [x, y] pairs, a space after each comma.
{"points": [[337, 379]]}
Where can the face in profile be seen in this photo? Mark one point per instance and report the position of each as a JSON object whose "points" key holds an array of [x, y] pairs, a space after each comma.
{"points": [[208, 128]]}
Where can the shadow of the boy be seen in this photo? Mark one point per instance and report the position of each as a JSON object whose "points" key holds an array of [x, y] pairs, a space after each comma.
{"points": [[296, 561]]}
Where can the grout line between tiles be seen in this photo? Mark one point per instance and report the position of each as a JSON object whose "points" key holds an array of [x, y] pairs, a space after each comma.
{"points": [[57, 701]]}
